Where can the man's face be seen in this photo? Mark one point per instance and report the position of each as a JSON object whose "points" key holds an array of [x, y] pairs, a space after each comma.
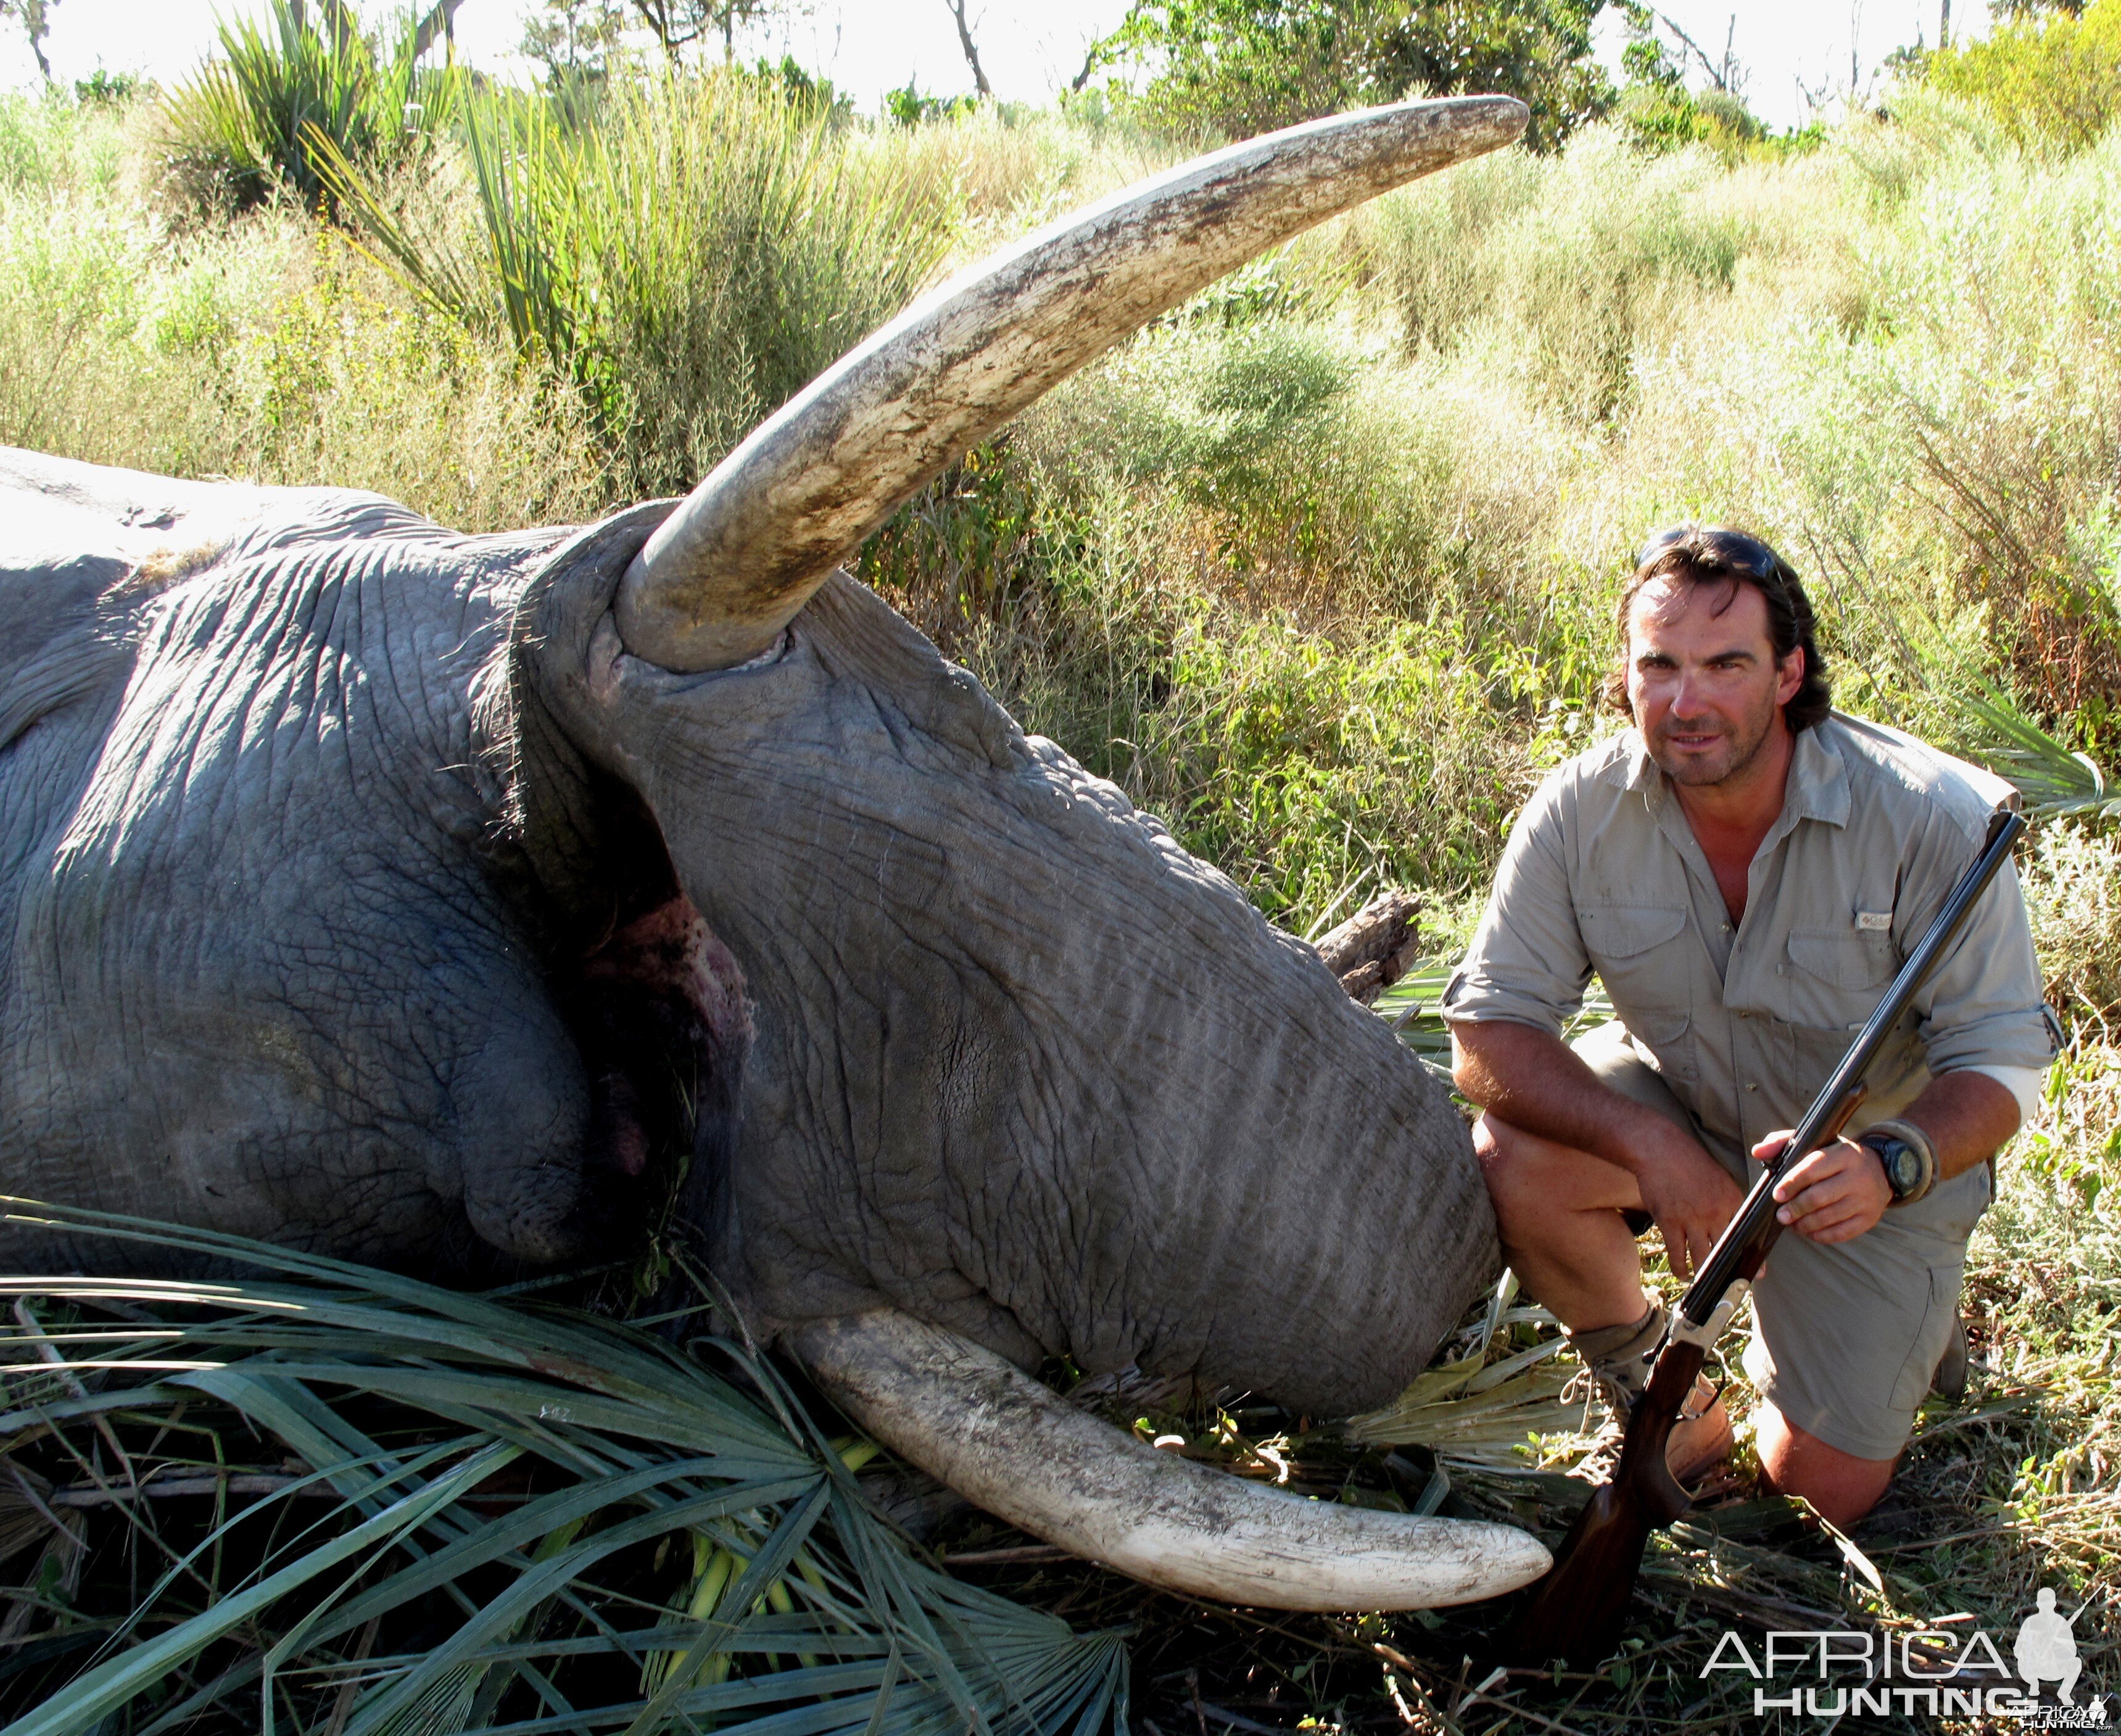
{"points": [[1702, 680]]}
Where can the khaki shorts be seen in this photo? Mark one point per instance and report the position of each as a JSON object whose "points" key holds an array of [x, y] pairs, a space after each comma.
{"points": [[1845, 1338]]}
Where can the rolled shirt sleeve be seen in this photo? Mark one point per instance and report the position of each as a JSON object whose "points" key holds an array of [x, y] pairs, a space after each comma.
{"points": [[1527, 964], [1981, 1007]]}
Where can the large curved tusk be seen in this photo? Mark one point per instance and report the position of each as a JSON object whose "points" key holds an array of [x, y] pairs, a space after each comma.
{"points": [[730, 568], [1012, 1446]]}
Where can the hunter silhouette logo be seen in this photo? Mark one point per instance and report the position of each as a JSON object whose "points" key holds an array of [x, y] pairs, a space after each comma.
{"points": [[2046, 1651], [1946, 1672]]}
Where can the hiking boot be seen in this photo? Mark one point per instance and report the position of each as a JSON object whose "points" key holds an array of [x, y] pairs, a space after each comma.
{"points": [[1700, 1441], [1619, 1359], [1950, 1379]]}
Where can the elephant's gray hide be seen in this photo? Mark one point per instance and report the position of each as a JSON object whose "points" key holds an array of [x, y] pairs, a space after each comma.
{"points": [[360, 892]]}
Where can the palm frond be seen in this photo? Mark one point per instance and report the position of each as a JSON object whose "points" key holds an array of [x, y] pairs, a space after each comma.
{"points": [[256, 113], [492, 1514], [1412, 1006], [2053, 778]]}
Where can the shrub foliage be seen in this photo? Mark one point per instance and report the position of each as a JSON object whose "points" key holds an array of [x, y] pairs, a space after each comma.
{"points": [[2050, 78], [247, 124], [325, 1497], [1235, 68]]}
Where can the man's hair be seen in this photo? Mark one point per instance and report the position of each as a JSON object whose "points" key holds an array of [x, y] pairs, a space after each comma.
{"points": [[1712, 554]]}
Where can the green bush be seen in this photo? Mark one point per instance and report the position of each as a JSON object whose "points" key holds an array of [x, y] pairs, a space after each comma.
{"points": [[1302, 761], [107, 88], [1663, 119], [1235, 68], [51, 146], [689, 262], [2054, 79], [248, 122]]}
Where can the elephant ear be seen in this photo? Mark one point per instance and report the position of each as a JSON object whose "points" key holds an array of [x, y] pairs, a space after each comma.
{"points": [[57, 649], [72, 559]]}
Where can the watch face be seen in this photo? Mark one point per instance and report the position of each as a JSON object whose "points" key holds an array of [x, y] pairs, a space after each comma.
{"points": [[1902, 1168]]}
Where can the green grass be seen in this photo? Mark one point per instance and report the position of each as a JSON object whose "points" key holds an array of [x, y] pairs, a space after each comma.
{"points": [[1321, 569]]}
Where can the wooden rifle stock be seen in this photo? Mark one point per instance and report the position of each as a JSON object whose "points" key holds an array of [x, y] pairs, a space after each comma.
{"points": [[1577, 1610]]}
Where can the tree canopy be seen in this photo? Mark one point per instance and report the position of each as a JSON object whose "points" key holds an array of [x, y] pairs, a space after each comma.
{"points": [[2052, 76], [1241, 67]]}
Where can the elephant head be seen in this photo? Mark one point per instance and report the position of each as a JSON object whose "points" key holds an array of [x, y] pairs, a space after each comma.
{"points": [[392, 892]]}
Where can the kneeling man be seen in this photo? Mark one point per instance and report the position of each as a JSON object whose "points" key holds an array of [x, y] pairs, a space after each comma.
{"points": [[1745, 870]]}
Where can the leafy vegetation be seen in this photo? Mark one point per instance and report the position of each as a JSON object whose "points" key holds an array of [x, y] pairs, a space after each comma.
{"points": [[687, 263], [449, 1512], [1235, 68], [1661, 111], [250, 123], [1320, 567], [2051, 78]]}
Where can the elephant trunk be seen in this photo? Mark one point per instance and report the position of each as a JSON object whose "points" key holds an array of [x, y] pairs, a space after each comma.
{"points": [[1015, 1449]]}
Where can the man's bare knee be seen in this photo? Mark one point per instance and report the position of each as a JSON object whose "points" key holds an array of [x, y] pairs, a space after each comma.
{"points": [[1842, 1486], [1492, 1141], [1544, 1174], [1505, 1160]]}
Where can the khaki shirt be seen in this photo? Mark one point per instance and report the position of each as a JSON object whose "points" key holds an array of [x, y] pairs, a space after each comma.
{"points": [[1603, 873]]}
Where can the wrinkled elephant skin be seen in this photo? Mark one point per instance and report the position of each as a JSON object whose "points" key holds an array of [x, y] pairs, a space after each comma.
{"points": [[400, 894]]}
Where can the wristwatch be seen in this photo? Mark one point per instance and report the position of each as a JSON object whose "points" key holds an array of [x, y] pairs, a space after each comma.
{"points": [[1909, 1162]]}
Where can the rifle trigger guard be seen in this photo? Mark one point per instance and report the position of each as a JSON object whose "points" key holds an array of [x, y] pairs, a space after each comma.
{"points": [[1684, 1331]]}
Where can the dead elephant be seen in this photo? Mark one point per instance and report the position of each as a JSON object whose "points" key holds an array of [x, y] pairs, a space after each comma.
{"points": [[391, 892]]}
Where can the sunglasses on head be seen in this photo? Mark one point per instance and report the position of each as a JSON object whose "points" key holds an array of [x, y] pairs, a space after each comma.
{"points": [[1732, 551]]}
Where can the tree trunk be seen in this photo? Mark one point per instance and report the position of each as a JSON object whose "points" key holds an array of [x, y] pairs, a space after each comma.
{"points": [[440, 19], [972, 53], [34, 19]]}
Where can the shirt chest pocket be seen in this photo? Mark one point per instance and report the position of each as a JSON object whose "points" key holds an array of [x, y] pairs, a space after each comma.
{"points": [[1634, 949], [1640, 952], [1836, 976]]}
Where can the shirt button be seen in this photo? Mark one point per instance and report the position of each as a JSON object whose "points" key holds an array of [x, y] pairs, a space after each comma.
{"points": [[1753, 1086]]}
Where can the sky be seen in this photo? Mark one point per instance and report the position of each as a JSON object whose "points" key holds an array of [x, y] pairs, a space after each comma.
{"points": [[1029, 48]]}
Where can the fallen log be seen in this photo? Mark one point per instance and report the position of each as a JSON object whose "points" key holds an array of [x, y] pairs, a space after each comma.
{"points": [[1375, 947]]}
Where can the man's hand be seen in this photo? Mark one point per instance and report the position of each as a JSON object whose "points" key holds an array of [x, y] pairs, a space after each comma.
{"points": [[1691, 1194], [1833, 1196], [1536, 1083]]}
